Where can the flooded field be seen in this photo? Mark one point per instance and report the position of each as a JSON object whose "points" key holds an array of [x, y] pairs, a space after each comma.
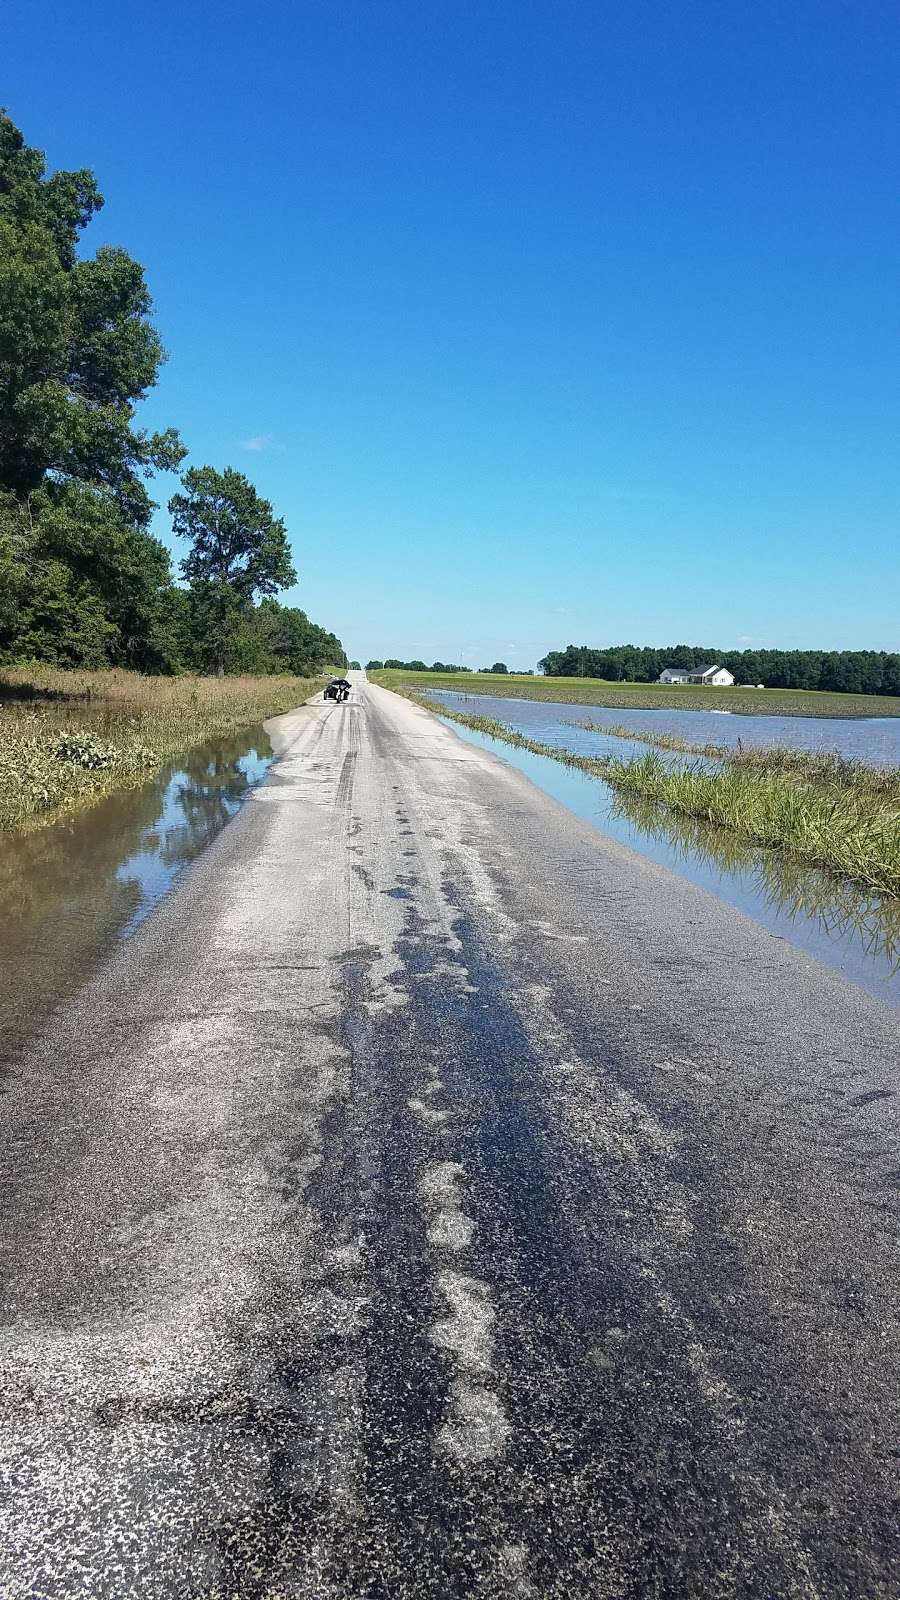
{"points": [[872, 739], [69, 891], [832, 920]]}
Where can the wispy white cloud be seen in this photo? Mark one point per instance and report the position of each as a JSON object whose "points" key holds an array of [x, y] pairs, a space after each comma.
{"points": [[259, 441]]}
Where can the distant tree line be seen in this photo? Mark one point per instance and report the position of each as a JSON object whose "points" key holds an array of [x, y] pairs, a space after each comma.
{"points": [[436, 666], [83, 582], [842, 671]]}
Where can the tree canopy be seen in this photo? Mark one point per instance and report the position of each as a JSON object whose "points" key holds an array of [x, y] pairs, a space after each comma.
{"points": [[77, 348], [239, 551], [82, 580]]}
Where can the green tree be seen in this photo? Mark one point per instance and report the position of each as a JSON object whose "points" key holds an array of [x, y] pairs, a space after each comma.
{"points": [[239, 550], [294, 644], [77, 349], [82, 583]]}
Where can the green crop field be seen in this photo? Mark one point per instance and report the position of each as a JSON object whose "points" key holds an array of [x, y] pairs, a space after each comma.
{"points": [[648, 696]]}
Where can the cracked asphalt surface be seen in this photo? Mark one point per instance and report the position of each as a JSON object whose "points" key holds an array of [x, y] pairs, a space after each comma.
{"points": [[434, 1198]]}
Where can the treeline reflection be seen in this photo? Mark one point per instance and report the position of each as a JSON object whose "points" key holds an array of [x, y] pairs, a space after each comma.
{"points": [[70, 890]]}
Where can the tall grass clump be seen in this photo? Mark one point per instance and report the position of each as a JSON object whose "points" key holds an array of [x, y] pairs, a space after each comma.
{"points": [[67, 738], [847, 830]]}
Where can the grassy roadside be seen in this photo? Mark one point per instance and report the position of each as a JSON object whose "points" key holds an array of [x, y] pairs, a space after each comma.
{"points": [[849, 828], [648, 696], [820, 810], [824, 768], [68, 738]]}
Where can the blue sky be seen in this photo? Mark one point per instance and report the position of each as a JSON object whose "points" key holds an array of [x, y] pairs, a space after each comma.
{"points": [[537, 322]]}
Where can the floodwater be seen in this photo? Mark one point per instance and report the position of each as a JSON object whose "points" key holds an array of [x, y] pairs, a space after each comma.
{"points": [[845, 927], [69, 891], [872, 739]]}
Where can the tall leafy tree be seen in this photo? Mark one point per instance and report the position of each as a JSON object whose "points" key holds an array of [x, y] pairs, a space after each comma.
{"points": [[239, 551], [82, 582], [77, 348]]}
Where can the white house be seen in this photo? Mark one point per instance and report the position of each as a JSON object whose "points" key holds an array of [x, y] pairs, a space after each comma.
{"points": [[716, 676]]}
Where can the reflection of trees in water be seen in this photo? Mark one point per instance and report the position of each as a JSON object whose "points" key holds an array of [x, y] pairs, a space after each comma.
{"points": [[839, 907], [65, 890], [207, 795]]}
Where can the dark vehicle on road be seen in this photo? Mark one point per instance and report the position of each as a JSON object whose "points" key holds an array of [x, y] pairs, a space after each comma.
{"points": [[338, 689]]}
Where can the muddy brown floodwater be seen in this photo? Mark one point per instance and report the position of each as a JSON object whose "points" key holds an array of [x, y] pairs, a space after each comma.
{"points": [[69, 891]]}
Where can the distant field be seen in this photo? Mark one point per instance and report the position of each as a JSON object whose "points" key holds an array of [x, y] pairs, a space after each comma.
{"points": [[650, 696]]}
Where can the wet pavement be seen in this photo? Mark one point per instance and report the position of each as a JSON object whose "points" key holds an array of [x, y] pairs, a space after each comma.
{"points": [[434, 1198]]}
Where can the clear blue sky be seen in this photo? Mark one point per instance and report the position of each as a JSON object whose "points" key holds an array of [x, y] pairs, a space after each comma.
{"points": [[537, 322]]}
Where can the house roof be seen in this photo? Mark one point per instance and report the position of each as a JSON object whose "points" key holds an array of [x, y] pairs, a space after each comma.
{"points": [[692, 672]]}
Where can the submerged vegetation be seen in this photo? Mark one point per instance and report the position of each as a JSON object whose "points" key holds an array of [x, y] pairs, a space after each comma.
{"points": [[849, 828], [825, 768], [646, 696], [789, 887], [67, 738], [661, 741], [820, 809]]}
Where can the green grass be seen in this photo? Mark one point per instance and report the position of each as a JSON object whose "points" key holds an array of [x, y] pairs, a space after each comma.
{"points": [[68, 738], [818, 809], [823, 767], [649, 696], [849, 830], [790, 887], [660, 741]]}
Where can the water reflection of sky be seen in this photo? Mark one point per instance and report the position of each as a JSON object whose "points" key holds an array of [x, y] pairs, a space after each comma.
{"points": [[872, 739], [845, 928]]}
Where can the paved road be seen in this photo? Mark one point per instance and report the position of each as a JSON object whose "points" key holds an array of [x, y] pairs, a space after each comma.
{"points": [[435, 1199]]}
